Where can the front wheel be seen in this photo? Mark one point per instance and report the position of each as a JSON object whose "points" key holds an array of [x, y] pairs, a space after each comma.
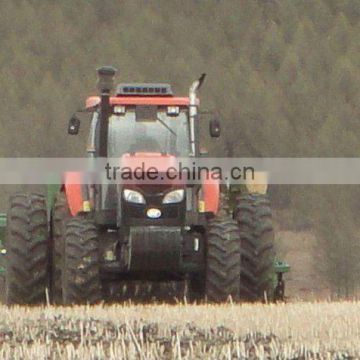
{"points": [[81, 273], [223, 267]]}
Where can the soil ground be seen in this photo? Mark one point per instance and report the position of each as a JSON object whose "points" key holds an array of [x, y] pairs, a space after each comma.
{"points": [[306, 280]]}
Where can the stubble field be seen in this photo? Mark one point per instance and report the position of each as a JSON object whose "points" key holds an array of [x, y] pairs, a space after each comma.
{"points": [[259, 331]]}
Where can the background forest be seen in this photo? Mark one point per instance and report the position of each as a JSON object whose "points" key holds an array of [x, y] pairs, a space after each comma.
{"points": [[284, 75]]}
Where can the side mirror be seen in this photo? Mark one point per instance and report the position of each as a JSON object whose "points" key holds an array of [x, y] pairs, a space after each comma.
{"points": [[214, 127], [74, 126]]}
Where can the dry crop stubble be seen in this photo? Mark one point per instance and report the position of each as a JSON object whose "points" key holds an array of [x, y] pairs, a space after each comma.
{"points": [[295, 330]]}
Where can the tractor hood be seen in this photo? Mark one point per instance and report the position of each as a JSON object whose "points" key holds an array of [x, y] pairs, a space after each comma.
{"points": [[149, 168]]}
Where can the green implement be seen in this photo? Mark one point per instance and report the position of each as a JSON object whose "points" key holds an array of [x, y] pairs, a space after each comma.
{"points": [[281, 267]]}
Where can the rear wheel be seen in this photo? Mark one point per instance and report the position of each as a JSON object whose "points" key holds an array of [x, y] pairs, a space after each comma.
{"points": [[27, 259], [61, 214], [254, 218], [81, 276], [222, 277]]}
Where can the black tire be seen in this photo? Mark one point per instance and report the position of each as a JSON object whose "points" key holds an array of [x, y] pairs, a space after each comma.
{"points": [[60, 216], [81, 276], [254, 218], [27, 258], [222, 275]]}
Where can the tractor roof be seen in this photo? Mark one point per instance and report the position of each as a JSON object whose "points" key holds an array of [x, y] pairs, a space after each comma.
{"points": [[94, 101], [142, 94]]}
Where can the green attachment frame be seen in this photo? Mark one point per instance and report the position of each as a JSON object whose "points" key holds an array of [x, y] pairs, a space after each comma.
{"points": [[281, 267]]}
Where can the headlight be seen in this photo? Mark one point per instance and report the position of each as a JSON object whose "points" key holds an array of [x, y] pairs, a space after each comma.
{"points": [[174, 196], [173, 110], [133, 197], [119, 110]]}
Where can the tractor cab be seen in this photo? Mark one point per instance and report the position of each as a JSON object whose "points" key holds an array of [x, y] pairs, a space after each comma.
{"points": [[144, 118], [143, 122]]}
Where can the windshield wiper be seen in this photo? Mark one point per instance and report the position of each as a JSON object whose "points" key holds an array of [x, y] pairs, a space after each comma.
{"points": [[167, 126]]}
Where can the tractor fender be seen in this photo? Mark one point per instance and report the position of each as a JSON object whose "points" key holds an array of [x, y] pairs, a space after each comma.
{"points": [[211, 195], [74, 191]]}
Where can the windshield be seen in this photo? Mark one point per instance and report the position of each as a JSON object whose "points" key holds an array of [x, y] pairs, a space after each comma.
{"points": [[166, 134]]}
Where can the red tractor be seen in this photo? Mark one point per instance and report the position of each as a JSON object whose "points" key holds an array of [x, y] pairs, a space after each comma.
{"points": [[100, 239]]}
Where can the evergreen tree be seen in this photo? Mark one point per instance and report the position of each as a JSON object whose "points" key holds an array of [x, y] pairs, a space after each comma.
{"points": [[283, 75]]}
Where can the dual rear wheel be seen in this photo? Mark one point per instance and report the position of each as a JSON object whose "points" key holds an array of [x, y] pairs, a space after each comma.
{"points": [[240, 252], [253, 215], [69, 266], [27, 267]]}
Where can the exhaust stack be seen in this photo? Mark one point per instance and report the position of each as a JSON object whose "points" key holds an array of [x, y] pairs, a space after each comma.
{"points": [[195, 86], [105, 85]]}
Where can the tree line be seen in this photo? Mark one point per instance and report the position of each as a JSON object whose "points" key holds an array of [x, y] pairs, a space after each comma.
{"points": [[283, 75]]}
